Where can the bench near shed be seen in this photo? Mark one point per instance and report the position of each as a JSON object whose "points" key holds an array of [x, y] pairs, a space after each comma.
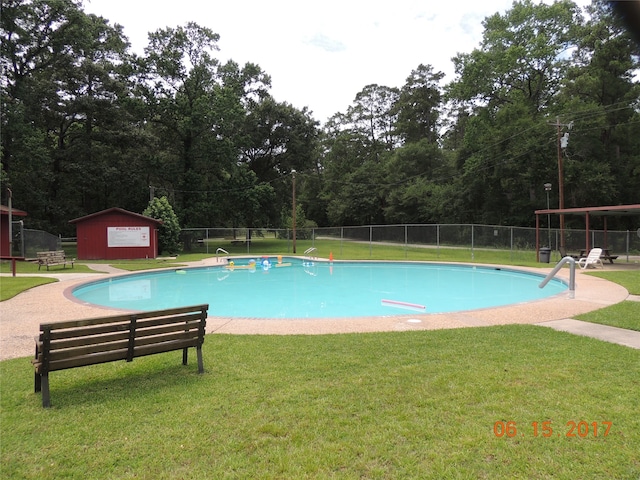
{"points": [[77, 343], [56, 257]]}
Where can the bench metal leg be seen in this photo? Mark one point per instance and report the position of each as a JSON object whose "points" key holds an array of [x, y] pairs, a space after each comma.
{"points": [[46, 400], [200, 364], [37, 384], [185, 355]]}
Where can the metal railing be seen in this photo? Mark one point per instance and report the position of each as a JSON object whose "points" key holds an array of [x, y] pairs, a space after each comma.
{"points": [[572, 275]]}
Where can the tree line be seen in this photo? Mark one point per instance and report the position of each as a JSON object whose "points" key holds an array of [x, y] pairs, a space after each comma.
{"points": [[88, 125]]}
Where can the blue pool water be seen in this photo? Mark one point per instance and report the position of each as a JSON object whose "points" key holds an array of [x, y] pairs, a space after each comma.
{"points": [[319, 289]]}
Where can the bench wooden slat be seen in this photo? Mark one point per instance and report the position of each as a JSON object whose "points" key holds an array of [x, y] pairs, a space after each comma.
{"points": [[57, 257], [67, 347], [93, 331], [61, 359], [79, 343], [86, 351], [93, 359], [119, 325], [75, 341], [163, 347], [119, 318]]}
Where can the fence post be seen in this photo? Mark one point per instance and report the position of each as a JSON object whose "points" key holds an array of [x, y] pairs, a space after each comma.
{"points": [[406, 246], [438, 239], [511, 230], [341, 239], [23, 254], [472, 244], [370, 240]]}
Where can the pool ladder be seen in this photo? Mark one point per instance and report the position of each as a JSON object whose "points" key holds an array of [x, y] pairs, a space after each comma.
{"points": [[308, 251], [223, 251], [572, 274]]}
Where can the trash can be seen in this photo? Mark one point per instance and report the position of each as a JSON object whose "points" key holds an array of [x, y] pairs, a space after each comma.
{"points": [[545, 254]]}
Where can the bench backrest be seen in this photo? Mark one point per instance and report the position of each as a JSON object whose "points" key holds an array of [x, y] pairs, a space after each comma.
{"points": [[45, 257], [52, 253], [76, 343]]}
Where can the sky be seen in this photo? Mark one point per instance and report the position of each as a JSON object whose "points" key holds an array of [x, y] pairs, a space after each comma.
{"points": [[319, 54]]}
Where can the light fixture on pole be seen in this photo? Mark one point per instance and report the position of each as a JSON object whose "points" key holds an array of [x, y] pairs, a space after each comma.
{"points": [[547, 188]]}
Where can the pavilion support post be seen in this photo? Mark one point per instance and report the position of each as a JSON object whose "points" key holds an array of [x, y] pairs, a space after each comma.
{"points": [[537, 237], [587, 232]]}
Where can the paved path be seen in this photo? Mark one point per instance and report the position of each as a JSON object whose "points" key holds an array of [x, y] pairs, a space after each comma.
{"points": [[621, 336]]}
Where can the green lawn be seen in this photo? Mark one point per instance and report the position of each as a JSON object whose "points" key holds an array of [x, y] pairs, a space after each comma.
{"points": [[12, 286], [622, 315], [383, 405], [628, 279], [351, 250], [422, 404]]}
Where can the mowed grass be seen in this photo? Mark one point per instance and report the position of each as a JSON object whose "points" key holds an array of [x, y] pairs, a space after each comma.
{"points": [[383, 405], [354, 250], [378, 405], [628, 279], [12, 286], [622, 315]]}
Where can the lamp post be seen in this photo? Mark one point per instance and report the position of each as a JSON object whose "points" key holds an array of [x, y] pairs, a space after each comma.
{"points": [[293, 218], [547, 188]]}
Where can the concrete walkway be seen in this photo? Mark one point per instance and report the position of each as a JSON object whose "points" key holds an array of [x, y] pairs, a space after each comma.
{"points": [[621, 336]]}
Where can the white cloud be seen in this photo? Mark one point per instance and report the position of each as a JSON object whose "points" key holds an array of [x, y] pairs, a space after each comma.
{"points": [[325, 43], [320, 54]]}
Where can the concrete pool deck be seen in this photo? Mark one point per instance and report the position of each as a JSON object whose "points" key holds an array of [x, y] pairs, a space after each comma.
{"points": [[21, 316]]}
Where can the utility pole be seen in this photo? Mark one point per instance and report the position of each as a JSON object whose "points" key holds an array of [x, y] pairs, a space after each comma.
{"points": [[562, 143], [547, 188], [10, 229], [293, 221]]}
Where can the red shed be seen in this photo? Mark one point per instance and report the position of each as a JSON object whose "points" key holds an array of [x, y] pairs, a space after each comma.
{"points": [[115, 234], [4, 228]]}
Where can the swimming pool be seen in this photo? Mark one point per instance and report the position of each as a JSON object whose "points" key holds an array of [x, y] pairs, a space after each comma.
{"points": [[302, 289]]}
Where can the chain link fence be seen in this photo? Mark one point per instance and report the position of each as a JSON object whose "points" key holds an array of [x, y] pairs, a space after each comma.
{"points": [[27, 242], [469, 236]]}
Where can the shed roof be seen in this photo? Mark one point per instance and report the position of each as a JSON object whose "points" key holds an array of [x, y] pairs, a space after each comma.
{"points": [[115, 210], [4, 210]]}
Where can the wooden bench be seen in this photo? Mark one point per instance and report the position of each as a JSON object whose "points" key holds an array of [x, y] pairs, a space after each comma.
{"points": [[57, 257], [77, 343]]}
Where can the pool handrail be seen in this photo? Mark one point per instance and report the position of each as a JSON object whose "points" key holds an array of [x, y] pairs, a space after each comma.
{"points": [[572, 274], [218, 250], [309, 250]]}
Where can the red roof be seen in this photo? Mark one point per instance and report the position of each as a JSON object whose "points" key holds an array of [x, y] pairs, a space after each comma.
{"points": [[115, 210], [4, 210]]}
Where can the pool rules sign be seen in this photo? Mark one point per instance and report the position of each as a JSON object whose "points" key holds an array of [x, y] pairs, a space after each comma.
{"points": [[128, 236]]}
